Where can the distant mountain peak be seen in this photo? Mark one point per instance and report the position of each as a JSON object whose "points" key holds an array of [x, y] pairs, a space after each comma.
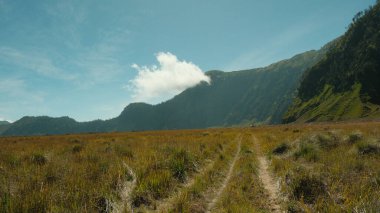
{"points": [[4, 122]]}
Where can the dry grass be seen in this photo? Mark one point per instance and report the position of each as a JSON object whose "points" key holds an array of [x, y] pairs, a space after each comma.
{"points": [[245, 192], [85, 173], [327, 167], [181, 171]]}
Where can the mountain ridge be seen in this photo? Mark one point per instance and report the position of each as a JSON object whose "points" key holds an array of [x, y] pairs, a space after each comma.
{"points": [[4, 126], [4, 122], [346, 83], [259, 95]]}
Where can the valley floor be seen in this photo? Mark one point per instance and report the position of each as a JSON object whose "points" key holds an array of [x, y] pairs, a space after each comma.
{"points": [[284, 168]]}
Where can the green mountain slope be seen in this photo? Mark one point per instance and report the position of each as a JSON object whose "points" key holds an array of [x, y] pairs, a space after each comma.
{"points": [[346, 83], [233, 98]]}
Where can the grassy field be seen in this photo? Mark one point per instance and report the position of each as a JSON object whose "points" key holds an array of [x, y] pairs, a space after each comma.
{"points": [[326, 167], [319, 167]]}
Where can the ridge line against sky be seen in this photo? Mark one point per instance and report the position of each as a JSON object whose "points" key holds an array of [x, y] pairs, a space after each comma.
{"points": [[75, 58]]}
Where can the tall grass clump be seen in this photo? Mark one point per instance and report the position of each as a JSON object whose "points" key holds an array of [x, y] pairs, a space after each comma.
{"points": [[355, 137], [77, 148], [307, 151], [38, 159], [308, 188], [328, 141], [368, 148], [181, 163], [10, 160], [281, 149]]}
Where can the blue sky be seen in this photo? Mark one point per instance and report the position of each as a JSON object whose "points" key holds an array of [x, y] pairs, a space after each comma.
{"points": [[85, 58]]}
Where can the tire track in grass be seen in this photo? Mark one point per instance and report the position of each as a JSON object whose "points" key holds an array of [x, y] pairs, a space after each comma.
{"points": [[126, 204], [269, 183], [168, 203], [219, 192]]}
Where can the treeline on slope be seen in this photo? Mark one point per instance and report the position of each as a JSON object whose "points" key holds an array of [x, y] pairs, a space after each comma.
{"points": [[233, 98], [346, 83]]}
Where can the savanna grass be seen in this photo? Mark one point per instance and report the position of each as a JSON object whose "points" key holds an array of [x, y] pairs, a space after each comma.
{"points": [[328, 168], [316, 165], [85, 173]]}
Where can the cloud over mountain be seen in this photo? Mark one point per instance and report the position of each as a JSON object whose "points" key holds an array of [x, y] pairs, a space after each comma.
{"points": [[172, 76]]}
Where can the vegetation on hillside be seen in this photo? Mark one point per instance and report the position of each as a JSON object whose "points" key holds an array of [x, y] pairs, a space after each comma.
{"points": [[352, 63]]}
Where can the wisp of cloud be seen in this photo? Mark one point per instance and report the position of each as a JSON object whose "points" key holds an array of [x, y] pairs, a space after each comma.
{"points": [[172, 76]]}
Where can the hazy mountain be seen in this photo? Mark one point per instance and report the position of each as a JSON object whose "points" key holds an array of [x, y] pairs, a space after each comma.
{"points": [[42, 125], [346, 83], [233, 98], [4, 125]]}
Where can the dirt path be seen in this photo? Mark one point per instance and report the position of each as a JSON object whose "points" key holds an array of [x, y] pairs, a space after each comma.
{"points": [[219, 192], [125, 194], [270, 185]]}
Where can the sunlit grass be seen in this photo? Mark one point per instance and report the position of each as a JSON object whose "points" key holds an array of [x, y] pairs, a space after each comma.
{"points": [[84, 173], [180, 171], [327, 167]]}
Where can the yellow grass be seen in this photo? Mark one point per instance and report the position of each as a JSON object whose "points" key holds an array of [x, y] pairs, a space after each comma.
{"points": [[321, 167]]}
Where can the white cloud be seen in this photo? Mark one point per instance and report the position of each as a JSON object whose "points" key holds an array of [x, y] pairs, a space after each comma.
{"points": [[158, 83]]}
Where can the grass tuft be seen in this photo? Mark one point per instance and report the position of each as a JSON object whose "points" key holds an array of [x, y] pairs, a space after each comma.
{"points": [[308, 189], [366, 148], [327, 141], [39, 159], [77, 148], [181, 163], [307, 151], [103, 205], [281, 149], [355, 137], [11, 160]]}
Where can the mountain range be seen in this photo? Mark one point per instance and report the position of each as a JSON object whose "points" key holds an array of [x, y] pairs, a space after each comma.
{"points": [[233, 98], [341, 81]]}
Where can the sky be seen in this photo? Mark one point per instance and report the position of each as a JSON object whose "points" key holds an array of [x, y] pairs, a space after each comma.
{"points": [[88, 59]]}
